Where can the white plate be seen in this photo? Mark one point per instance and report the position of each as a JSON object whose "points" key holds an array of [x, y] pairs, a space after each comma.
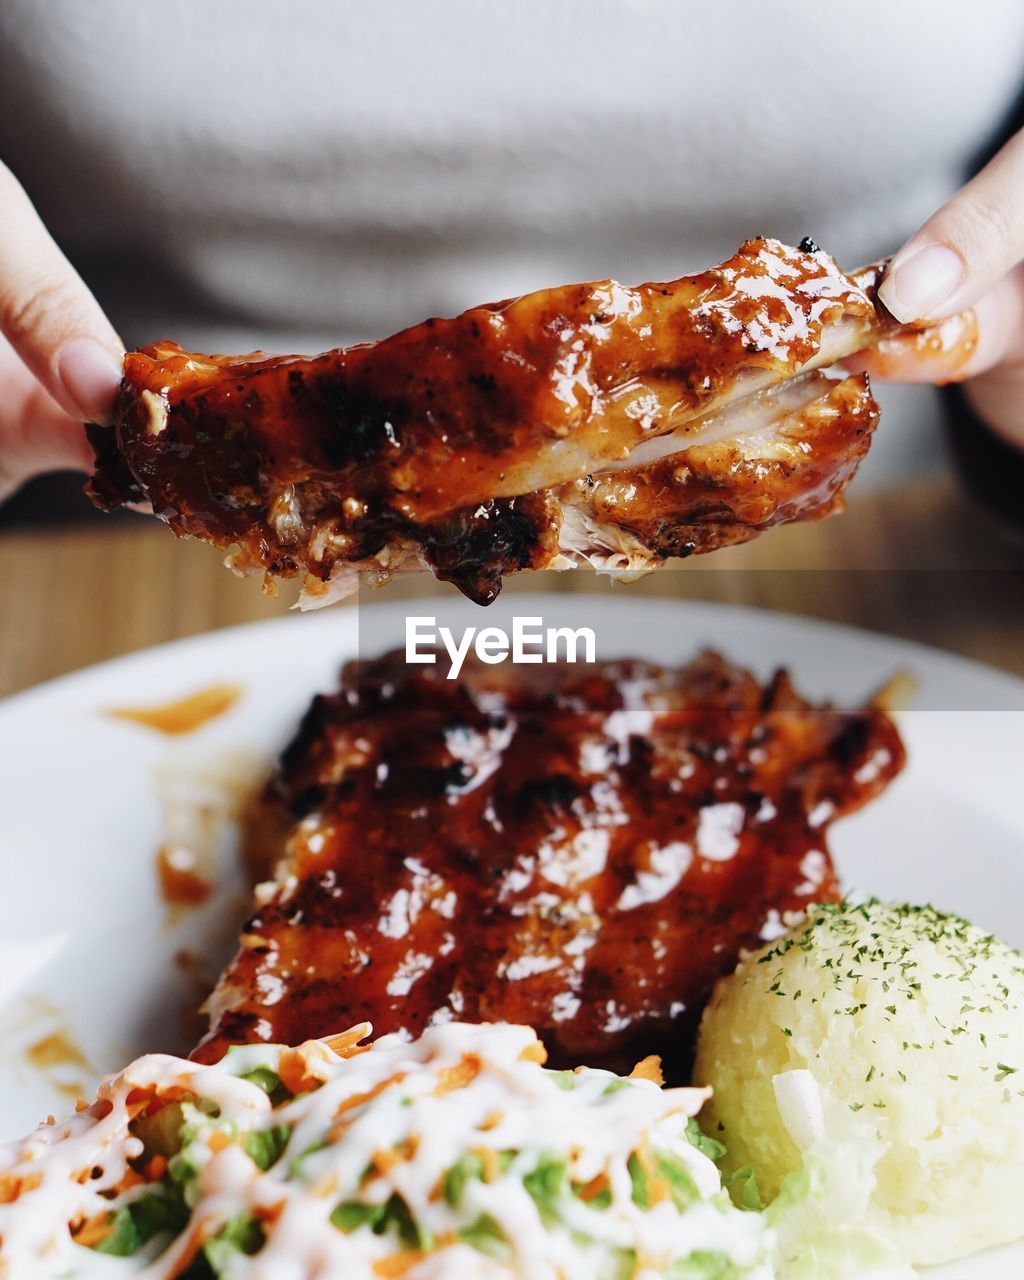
{"points": [[87, 944]]}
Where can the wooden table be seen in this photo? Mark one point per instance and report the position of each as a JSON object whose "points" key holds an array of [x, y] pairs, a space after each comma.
{"points": [[920, 563]]}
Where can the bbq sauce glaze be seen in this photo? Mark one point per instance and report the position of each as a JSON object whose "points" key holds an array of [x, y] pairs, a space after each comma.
{"points": [[583, 849], [439, 444]]}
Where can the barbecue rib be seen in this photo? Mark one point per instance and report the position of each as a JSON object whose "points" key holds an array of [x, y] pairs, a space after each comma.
{"points": [[583, 849], [587, 424]]}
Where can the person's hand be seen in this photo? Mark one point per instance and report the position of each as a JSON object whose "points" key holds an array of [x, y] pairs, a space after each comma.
{"points": [[968, 255], [60, 359]]}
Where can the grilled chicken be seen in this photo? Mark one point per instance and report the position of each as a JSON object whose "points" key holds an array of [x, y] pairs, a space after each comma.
{"points": [[591, 424], [583, 849]]}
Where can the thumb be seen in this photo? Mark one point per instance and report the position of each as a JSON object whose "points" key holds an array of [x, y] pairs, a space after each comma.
{"points": [[965, 248], [49, 316]]}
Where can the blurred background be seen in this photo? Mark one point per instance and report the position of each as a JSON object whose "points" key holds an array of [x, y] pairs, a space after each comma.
{"points": [[254, 174]]}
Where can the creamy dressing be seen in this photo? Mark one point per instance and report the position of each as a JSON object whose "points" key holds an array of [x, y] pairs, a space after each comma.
{"points": [[393, 1120], [40, 1176]]}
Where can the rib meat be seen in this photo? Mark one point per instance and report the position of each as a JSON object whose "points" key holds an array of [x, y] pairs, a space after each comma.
{"points": [[583, 849], [540, 432]]}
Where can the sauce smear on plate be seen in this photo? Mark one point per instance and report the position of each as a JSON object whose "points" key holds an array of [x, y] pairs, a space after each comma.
{"points": [[183, 715]]}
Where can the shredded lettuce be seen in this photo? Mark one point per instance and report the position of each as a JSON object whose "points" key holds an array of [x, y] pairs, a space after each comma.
{"points": [[486, 1236], [682, 1188], [745, 1191], [270, 1082], [704, 1266], [566, 1080], [161, 1132], [266, 1146], [464, 1170], [393, 1217], [711, 1147], [545, 1184], [639, 1178], [162, 1209], [665, 1173], [599, 1200], [818, 1216], [241, 1235]]}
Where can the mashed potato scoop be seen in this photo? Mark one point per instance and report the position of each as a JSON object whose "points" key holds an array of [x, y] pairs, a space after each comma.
{"points": [[869, 1066]]}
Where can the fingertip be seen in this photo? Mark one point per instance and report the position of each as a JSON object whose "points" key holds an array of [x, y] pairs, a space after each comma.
{"points": [[40, 436], [922, 284], [90, 375], [938, 353]]}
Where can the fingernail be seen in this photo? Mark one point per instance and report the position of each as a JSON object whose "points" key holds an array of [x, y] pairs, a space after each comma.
{"points": [[90, 375], [918, 287]]}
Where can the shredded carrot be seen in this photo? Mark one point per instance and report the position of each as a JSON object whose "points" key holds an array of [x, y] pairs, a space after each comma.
{"points": [[346, 1043], [350, 1104], [649, 1069], [95, 1231], [534, 1052], [191, 1245], [491, 1163], [13, 1184], [217, 1140], [155, 1168], [594, 1187], [154, 1099], [130, 1179], [299, 1070], [451, 1078], [397, 1265], [491, 1120], [657, 1188], [385, 1160], [897, 694]]}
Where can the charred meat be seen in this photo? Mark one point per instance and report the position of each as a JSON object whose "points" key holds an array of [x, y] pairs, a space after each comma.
{"points": [[582, 849], [591, 424]]}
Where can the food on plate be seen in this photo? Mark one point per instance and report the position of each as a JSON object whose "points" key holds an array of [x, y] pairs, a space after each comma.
{"points": [[457, 1157], [591, 424], [583, 849], [882, 1048]]}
